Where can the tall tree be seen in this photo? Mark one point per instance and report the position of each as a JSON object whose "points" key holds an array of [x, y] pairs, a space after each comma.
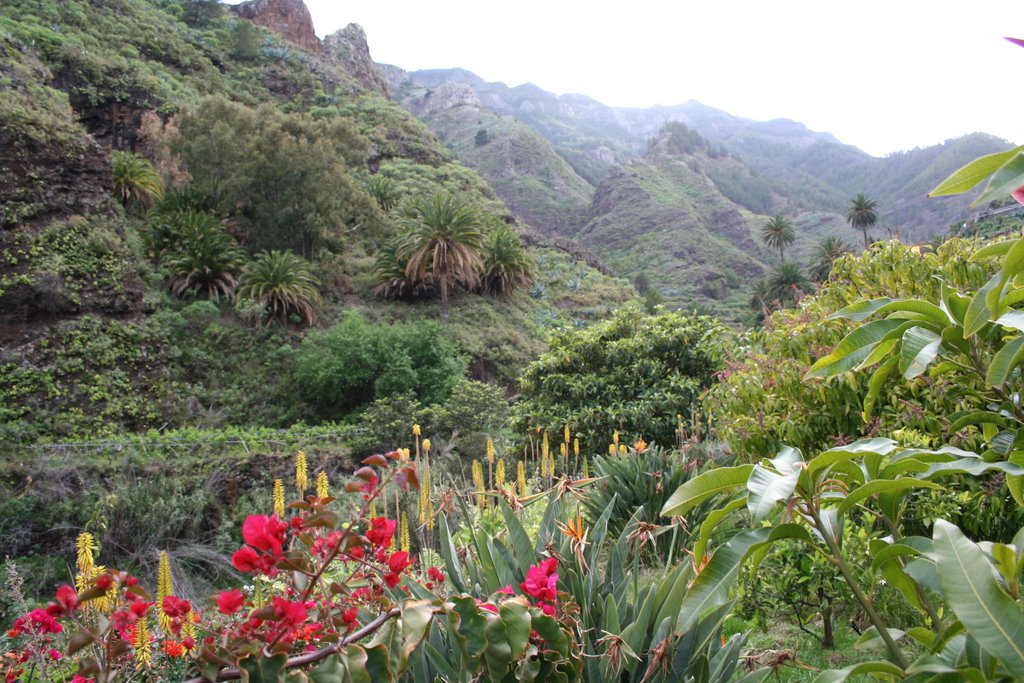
{"points": [[778, 233], [443, 244], [825, 254], [506, 263], [861, 215], [786, 285]]}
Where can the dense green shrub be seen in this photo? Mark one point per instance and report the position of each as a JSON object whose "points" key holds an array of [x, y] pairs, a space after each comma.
{"points": [[347, 366], [635, 373]]}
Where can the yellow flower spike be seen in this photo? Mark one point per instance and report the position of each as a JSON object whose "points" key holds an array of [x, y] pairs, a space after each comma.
{"points": [[373, 507], [586, 468], [576, 447], [543, 465], [545, 448], [490, 451], [141, 643], [424, 500], [615, 438], [403, 533], [622, 449], [279, 498], [563, 451], [521, 478], [426, 446], [301, 473], [478, 483], [86, 549], [416, 430], [565, 433], [163, 589], [404, 454], [612, 449], [322, 489], [499, 474]]}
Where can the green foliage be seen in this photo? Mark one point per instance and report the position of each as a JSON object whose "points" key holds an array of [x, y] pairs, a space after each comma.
{"points": [[282, 285], [825, 254], [206, 258], [135, 179], [635, 373], [761, 401], [283, 176], [778, 233], [506, 265], [862, 215], [347, 366]]}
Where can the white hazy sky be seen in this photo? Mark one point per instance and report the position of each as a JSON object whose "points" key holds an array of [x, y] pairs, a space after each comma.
{"points": [[884, 76]]}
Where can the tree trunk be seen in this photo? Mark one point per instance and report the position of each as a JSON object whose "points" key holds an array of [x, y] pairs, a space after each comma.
{"points": [[828, 640], [444, 299]]}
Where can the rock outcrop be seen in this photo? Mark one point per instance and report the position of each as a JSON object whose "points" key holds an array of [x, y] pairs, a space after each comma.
{"points": [[290, 19], [348, 49]]}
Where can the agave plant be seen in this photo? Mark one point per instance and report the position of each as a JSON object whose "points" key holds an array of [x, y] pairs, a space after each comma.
{"points": [[283, 284], [206, 260], [506, 263], [135, 179]]}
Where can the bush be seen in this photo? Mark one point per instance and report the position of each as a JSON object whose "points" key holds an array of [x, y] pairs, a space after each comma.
{"points": [[354, 362]]}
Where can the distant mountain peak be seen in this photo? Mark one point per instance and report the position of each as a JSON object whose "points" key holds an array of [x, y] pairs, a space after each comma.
{"points": [[290, 19]]}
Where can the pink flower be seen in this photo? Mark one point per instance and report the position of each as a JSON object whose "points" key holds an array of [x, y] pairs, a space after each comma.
{"points": [[542, 580]]}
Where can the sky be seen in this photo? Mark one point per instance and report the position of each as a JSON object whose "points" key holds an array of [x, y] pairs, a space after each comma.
{"points": [[883, 76]]}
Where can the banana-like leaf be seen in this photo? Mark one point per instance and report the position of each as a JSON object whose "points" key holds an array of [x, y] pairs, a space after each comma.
{"points": [[840, 675], [521, 545], [975, 418], [988, 614], [709, 524], [853, 349], [704, 486], [993, 250], [827, 459], [920, 347], [865, 309], [872, 638], [1004, 362], [975, 466], [971, 174]]}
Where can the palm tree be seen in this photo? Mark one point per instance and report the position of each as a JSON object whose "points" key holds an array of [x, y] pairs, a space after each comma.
{"points": [[206, 258], [786, 285], [442, 244], [825, 254], [778, 233], [135, 179], [389, 274], [282, 283], [506, 263], [861, 215]]}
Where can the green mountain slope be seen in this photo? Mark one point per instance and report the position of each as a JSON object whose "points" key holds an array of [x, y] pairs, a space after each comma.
{"points": [[538, 185]]}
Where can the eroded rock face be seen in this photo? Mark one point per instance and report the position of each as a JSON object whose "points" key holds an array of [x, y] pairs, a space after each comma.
{"points": [[348, 48], [290, 19]]}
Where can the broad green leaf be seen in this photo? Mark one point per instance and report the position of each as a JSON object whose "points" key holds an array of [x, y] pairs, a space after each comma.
{"points": [[875, 384], [1008, 178], [976, 418], [1015, 484], [975, 466], [853, 349], [840, 675], [704, 486], [451, 564], [440, 662], [1004, 362], [328, 671], [758, 676], [709, 524], [1012, 319], [861, 310], [988, 614], [416, 618], [260, 669], [920, 347], [521, 545], [865, 309], [515, 613], [765, 488], [871, 638], [971, 174], [993, 250], [978, 312], [882, 486]]}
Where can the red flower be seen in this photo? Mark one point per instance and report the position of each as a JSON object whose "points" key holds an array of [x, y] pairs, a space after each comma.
{"points": [[547, 608], [245, 559], [176, 607], [67, 597], [381, 531], [230, 601], [350, 617], [139, 608], [289, 613], [104, 582], [265, 533], [542, 580], [435, 575], [399, 561]]}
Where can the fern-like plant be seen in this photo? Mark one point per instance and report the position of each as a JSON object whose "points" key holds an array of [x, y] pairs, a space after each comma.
{"points": [[283, 284], [135, 179], [206, 259]]}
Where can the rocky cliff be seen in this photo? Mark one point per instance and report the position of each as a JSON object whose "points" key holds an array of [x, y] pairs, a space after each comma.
{"points": [[290, 19]]}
